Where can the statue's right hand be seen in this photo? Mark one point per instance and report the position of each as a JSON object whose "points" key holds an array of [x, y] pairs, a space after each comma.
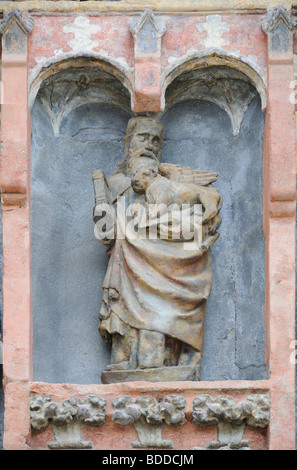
{"points": [[101, 209], [105, 223]]}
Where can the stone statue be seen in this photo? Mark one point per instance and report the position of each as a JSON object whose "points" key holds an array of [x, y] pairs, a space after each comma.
{"points": [[156, 287]]}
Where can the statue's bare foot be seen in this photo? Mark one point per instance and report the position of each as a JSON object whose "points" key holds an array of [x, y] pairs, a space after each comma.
{"points": [[120, 366]]}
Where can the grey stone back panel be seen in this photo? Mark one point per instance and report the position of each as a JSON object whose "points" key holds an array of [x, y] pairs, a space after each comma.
{"points": [[68, 263], [199, 134]]}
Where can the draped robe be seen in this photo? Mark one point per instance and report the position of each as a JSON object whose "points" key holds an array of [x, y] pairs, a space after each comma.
{"points": [[156, 285]]}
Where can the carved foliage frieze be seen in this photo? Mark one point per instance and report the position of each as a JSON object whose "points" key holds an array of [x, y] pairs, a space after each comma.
{"points": [[231, 418], [147, 415], [66, 419]]}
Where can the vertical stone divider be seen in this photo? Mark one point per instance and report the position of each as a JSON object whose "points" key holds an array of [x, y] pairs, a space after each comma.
{"points": [[279, 226], [147, 33], [15, 194]]}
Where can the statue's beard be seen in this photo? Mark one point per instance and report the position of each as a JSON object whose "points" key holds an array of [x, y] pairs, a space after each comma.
{"points": [[137, 163], [149, 154]]}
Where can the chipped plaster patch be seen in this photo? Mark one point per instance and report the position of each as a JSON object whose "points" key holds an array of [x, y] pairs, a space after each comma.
{"points": [[214, 28], [40, 60], [235, 52], [58, 51], [173, 58], [82, 30]]}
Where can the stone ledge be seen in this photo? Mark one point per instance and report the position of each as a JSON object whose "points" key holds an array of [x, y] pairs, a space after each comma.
{"points": [[63, 390], [166, 6]]}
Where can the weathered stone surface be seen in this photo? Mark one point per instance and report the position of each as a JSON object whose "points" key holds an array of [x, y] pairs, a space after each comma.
{"points": [[281, 196], [156, 5], [15, 136], [184, 438], [66, 419], [230, 89], [231, 418], [279, 26], [15, 27], [17, 419], [77, 86], [147, 415], [147, 32], [15, 17], [150, 320]]}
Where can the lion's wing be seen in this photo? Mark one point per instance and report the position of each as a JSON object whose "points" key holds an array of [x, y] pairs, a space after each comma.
{"points": [[182, 174]]}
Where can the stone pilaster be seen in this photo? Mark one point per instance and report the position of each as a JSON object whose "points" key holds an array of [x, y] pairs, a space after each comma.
{"points": [[147, 33], [15, 194], [279, 225]]}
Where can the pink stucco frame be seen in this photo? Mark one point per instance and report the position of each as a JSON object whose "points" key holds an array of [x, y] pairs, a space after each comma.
{"points": [[278, 222]]}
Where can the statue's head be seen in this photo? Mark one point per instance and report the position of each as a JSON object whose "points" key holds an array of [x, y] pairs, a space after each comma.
{"points": [[143, 178], [144, 137]]}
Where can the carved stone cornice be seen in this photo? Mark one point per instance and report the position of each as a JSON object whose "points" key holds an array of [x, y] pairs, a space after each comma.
{"points": [[15, 17], [279, 26]]}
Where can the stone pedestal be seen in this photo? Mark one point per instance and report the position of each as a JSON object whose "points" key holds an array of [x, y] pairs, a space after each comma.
{"points": [[159, 374]]}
